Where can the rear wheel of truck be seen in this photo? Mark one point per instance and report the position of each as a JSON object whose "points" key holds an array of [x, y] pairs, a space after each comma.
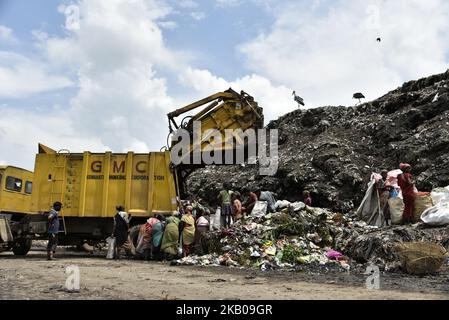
{"points": [[21, 247]]}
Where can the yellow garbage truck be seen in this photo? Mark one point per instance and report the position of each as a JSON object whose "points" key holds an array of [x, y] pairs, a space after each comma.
{"points": [[91, 185]]}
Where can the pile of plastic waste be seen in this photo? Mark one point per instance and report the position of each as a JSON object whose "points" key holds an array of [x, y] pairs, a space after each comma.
{"points": [[304, 238], [295, 236]]}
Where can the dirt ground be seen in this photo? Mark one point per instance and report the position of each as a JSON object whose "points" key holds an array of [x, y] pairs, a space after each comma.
{"points": [[32, 277]]}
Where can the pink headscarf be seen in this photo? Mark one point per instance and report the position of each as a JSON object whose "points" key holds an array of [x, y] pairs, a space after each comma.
{"points": [[404, 166]]}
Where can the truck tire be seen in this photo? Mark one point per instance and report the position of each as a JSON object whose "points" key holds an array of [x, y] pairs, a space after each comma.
{"points": [[21, 247]]}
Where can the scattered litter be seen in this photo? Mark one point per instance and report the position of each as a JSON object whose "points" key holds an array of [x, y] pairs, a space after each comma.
{"points": [[217, 280]]}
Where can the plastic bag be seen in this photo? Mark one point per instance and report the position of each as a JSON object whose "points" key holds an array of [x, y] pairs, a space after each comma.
{"points": [[111, 246], [394, 193], [216, 219], [423, 201], [396, 210], [260, 209], [281, 204], [436, 216], [440, 195]]}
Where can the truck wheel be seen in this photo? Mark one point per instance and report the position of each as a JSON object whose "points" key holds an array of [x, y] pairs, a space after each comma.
{"points": [[21, 247]]}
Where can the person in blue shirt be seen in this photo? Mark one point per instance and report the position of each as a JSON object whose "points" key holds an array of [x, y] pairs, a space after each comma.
{"points": [[53, 230]]}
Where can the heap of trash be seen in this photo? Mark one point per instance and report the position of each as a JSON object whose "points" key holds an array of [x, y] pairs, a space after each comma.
{"points": [[405, 125], [298, 237], [293, 237]]}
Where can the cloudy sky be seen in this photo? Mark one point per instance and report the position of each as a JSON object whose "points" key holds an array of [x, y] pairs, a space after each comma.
{"points": [[102, 74]]}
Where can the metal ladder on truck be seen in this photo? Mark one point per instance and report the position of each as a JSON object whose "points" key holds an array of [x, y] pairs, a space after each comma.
{"points": [[58, 184]]}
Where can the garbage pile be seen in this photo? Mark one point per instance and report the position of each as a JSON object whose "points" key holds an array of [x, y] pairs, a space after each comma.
{"points": [[298, 237], [295, 237], [335, 162], [379, 247]]}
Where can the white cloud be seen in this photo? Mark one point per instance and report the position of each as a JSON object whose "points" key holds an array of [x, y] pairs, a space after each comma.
{"points": [[168, 25], [6, 34], [21, 76], [122, 101], [329, 51], [189, 4], [198, 15], [276, 100], [264, 4], [228, 3], [21, 131]]}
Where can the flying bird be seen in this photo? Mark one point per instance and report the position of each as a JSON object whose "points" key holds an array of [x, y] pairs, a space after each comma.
{"points": [[379, 39], [298, 99], [358, 96]]}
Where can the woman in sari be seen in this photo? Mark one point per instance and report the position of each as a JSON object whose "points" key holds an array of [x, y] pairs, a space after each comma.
{"points": [[158, 232], [202, 226], [187, 231], [407, 185], [144, 241], [170, 240]]}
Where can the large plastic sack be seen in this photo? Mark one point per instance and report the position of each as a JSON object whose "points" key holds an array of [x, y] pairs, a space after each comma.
{"points": [[297, 206], [216, 219], [282, 204], [421, 258], [392, 178], [5, 230], [396, 210], [260, 209], [111, 246], [436, 216], [440, 195], [423, 201], [369, 210]]}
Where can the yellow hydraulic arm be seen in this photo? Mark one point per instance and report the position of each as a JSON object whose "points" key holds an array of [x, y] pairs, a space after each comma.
{"points": [[222, 111]]}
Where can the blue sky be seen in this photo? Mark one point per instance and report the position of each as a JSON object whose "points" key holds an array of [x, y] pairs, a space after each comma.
{"points": [[108, 83]]}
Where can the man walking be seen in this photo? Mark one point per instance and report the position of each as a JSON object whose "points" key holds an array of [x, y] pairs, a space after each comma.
{"points": [[53, 230]]}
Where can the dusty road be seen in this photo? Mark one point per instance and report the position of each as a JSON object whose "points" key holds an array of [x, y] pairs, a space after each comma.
{"points": [[32, 277]]}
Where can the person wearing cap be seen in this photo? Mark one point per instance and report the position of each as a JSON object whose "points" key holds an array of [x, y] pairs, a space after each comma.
{"points": [[187, 231], [53, 230], [407, 185]]}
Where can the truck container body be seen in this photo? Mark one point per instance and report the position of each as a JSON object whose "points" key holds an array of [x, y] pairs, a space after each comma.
{"points": [[91, 185]]}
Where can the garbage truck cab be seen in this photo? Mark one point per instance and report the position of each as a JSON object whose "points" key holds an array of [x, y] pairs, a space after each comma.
{"points": [[16, 187]]}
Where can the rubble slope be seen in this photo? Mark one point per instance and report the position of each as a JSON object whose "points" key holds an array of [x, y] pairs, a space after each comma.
{"points": [[332, 151]]}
